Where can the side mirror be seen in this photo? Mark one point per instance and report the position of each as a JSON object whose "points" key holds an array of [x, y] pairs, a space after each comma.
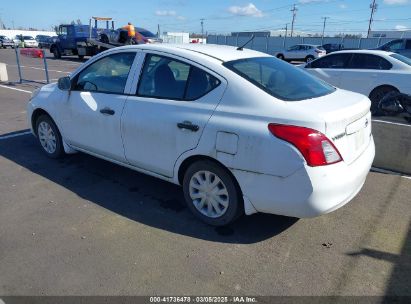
{"points": [[64, 83]]}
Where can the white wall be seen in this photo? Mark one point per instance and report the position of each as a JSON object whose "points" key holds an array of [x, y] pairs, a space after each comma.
{"points": [[13, 33]]}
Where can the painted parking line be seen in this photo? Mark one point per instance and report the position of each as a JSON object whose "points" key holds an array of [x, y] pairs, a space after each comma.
{"points": [[41, 69], [391, 123], [378, 170], [15, 89], [16, 134]]}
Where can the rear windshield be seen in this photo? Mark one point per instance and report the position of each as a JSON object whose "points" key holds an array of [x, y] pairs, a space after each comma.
{"points": [[402, 58], [280, 79], [28, 38]]}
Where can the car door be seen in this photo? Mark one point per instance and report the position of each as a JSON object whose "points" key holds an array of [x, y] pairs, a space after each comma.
{"points": [[364, 73], [174, 100], [95, 105], [330, 68], [292, 52]]}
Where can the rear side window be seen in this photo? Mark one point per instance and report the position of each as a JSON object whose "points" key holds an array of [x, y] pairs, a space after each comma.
{"points": [[334, 61], [168, 78], [279, 78], [107, 75], [402, 58], [369, 62]]}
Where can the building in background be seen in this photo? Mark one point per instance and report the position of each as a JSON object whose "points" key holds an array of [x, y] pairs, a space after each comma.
{"points": [[391, 34]]}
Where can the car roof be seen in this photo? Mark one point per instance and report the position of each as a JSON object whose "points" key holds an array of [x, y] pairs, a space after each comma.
{"points": [[371, 52], [218, 52]]}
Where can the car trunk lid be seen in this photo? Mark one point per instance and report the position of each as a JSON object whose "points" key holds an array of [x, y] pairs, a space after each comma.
{"points": [[347, 121]]}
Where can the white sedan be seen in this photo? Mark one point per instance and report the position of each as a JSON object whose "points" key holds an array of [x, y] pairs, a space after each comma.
{"points": [[241, 131], [372, 73], [302, 52]]}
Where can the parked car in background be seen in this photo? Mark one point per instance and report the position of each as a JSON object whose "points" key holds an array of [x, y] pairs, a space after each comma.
{"points": [[6, 42], [332, 47], [145, 36], [30, 42], [302, 52], [372, 73], [43, 41], [399, 46], [119, 36], [206, 117]]}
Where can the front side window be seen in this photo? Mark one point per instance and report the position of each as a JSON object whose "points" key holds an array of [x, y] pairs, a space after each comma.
{"points": [[369, 62], [408, 44], [279, 78], [335, 61], [394, 45], [107, 75], [63, 30], [167, 78]]}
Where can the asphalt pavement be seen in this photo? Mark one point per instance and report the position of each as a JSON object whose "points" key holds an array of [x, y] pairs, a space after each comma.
{"points": [[84, 226]]}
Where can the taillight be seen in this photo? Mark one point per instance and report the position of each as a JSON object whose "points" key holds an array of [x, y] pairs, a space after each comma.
{"points": [[316, 148]]}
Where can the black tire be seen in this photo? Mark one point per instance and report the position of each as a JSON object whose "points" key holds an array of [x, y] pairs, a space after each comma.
{"points": [[377, 95], [59, 150], [281, 57], [309, 59], [56, 53], [40, 46], [104, 39], [235, 203], [81, 57]]}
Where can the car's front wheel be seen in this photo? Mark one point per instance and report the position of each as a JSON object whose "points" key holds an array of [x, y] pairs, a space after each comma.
{"points": [[308, 59], [212, 193], [49, 137]]}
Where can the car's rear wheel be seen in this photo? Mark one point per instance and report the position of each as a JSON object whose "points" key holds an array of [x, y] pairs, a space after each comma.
{"points": [[81, 57], [212, 193], [49, 137], [308, 59], [280, 56], [56, 53], [377, 95]]}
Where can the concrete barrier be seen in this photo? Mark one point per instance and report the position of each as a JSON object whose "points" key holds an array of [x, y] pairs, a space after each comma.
{"points": [[393, 146], [3, 72]]}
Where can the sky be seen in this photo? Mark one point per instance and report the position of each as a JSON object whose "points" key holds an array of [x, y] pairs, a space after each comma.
{"points": [[220, 16]]}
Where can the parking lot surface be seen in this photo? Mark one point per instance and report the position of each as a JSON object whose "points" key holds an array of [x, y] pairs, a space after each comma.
{"points": [[84, 226]]}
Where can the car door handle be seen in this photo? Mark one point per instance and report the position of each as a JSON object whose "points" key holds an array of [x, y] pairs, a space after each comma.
{"points": [[188, 125], [107, 111]]}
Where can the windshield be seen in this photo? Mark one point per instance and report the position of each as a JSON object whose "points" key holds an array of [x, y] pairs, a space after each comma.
{"points": [[280, 79], [402, 58], [28, 38]]}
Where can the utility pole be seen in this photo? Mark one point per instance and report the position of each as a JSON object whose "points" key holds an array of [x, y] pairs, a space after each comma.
{"points": [[202, 29], [285, 36], [294, 10], [373, 8], [322, 37], [158, 31]]}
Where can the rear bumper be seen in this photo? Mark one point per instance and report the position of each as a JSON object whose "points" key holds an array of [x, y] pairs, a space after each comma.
{"points": [[309, 192]]}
